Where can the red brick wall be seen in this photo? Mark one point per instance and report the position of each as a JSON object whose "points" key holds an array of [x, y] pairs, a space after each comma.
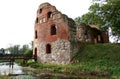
{"points": [[44, 29], [63, 43]]}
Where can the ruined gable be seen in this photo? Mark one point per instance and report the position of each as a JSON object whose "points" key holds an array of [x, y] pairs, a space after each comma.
{"points": [[55, 36], [91, 34]]}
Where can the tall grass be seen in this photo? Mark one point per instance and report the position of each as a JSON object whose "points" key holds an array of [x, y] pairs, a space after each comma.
{"points": [[101, 57], [98, 60]]}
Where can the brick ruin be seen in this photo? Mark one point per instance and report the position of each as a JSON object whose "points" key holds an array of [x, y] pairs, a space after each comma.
{"points": [[55, 36], [91, 34]]}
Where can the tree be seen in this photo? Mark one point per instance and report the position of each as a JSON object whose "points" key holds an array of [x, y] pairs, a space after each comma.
{"points": [[105, 13], [110, 10], [17, 49], [26, 50], [90, 19], [14, 49]]}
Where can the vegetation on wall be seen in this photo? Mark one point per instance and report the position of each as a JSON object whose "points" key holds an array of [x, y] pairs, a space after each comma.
{"points": [[104, 13]]}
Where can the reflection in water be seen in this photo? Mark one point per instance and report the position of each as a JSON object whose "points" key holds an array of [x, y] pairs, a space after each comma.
{"points": [[18, 72], [5, 69], [25, 77]]}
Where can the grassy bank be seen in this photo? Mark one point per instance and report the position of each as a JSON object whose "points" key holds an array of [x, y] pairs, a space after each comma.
{"points": [[101, 57], [95, 60]]}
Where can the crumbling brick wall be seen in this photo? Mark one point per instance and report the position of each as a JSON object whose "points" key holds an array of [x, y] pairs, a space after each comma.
{"points": [[55, 36], [91, 34]]}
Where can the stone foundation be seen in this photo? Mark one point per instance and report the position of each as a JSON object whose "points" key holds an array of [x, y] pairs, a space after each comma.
{"points": [[55, 36], [60, 52]]}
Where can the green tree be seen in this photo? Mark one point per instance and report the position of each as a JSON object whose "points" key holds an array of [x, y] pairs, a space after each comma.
{"points": [[14, 49], [25, 49], [105, 13], [28, 52], [111, 13], [89, 18]]}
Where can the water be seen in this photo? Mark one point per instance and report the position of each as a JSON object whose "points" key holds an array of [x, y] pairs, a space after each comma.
{"points": [[5, 69], [16, 72]]}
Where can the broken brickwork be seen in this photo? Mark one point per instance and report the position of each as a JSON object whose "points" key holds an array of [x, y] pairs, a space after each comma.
{"points": [[54, 36], [91, 34]]}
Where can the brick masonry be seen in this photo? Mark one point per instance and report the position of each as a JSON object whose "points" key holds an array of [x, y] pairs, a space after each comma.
{"points": [[91, 34], [55, 36]]}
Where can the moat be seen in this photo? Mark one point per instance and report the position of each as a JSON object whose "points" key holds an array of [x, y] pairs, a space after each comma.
{"points": [[19, 72]]}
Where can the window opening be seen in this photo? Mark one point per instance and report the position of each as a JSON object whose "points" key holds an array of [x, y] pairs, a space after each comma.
{"points": [[35, 54], [36, 36], [40, 21], [43, 19], [53, 30], [48, 48], [36, 20], [49, 15], [40, 11]]}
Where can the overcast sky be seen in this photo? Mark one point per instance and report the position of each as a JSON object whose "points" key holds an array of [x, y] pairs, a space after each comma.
{"points": [[17, 18]]}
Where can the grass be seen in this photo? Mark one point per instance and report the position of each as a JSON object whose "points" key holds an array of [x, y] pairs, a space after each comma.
{"points": [[101, 57], [97, 60], [99, 51]]}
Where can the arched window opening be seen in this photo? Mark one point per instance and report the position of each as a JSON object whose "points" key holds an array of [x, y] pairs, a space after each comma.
{"points": [[49, 15], [35, 54], [36, 36], [36, 20], [53, 30], [35, 51], [48, 48], [40, 11]]}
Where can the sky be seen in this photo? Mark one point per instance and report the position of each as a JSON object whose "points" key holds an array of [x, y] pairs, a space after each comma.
{"points": [[17, 18]]}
